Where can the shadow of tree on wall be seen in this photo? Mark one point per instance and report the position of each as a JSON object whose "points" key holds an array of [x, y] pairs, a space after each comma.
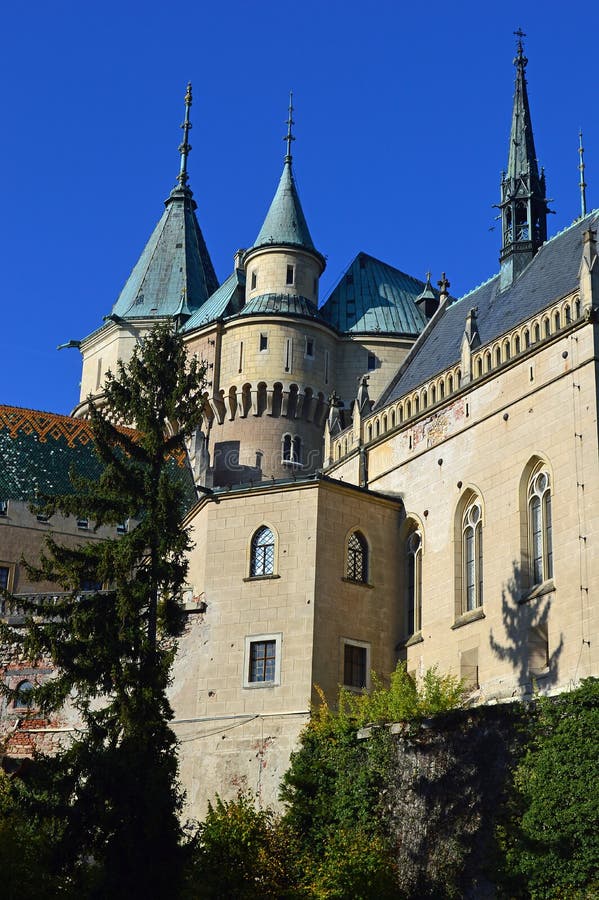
{"points": [[525, 617]]}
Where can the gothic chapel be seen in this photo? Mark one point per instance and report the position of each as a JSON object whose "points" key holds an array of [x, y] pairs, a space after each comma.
{"points": [[391, 474]]}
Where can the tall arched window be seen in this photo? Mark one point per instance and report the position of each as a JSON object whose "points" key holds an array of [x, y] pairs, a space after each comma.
{"points": [[472, 556], [262, 553], [414, 582], [539, 528], [357, 558]]}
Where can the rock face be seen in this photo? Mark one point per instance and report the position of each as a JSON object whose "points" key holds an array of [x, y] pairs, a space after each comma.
{"points": [[445, 786]]}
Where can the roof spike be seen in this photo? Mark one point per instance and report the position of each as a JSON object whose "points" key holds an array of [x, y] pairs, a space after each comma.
{"points": [[185, 146], [582, 183], [289, 137]]}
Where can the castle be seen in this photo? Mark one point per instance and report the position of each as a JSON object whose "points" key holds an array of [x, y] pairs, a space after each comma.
{"points": [[395, 474]]}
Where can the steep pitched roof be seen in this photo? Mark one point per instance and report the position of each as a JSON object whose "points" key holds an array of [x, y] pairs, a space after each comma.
{"points": [[174, 273], [373, 296], [38, 451], [226, 301], [553, 273], [285, 222]]}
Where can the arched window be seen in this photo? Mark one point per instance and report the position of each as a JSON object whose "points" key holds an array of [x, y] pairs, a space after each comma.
{"points": [[297, 450], [262, 555], [472, 556], [539, 528], [414, 582], [24, 696], [357, 558]]}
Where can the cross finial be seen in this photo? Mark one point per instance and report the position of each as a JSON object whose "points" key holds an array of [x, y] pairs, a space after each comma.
{"points": [[185, 146], [520, 59], [289, 137], [582, 182]]}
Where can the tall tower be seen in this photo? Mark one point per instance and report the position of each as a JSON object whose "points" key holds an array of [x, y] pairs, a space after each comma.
{"points": [[172, 278], [275, 355], [523, 203]]}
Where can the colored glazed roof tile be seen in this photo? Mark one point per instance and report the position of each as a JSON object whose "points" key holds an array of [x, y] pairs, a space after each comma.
{"points": [[552, 273], [174, 273], [375, 297], [38, 451]]}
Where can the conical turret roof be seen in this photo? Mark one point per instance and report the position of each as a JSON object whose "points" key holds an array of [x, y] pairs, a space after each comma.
{"points": [[285, 222], [174, 275]]}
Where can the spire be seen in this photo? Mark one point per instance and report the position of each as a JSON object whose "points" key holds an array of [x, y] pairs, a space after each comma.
{"points": [[523, 202], [289, 137], [582, 183], [185, 146], [174, 275], [428, 301], [285, 222]]}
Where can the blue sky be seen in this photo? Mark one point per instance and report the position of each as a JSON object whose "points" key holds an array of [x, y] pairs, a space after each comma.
{"points": [[402, 119]]}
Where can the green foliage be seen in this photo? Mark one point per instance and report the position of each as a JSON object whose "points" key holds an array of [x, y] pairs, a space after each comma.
{"points": [[336, 782], [242, 852], [403, 700], [116, 783], [550, 842]]}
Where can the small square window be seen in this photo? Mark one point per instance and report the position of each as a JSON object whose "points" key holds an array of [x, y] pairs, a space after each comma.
{"points": [[42, 518], [262, 660], [123, 527], [310, 348], [290, 275], [254, 280], [263, 342], [371, 362], [3, 507], [83, 524], [356, 665]]}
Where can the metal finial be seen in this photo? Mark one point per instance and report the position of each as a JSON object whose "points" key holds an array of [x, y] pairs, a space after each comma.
{"points": [[582, 183], [185, 146], [520, 59], [289, 137]]}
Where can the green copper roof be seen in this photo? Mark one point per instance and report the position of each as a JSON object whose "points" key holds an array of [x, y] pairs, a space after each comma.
{"points": [[225, 301], [281, 304], [285, 222], [174, 274], [375, 297], [38, 451]]}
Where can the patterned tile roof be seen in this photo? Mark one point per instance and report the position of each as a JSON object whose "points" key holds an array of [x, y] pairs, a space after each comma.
{"points": [[38, 450], [174, 273], [552, 273], [375, 297]]}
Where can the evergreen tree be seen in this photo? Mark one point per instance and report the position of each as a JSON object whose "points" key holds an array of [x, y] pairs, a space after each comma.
{"points": [[115, 785]]}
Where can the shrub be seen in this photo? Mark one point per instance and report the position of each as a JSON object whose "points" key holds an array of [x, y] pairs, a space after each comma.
{"points": [[550, 842]]}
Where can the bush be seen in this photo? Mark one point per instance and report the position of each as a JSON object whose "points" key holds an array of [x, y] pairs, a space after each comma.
{"points": [[550, 842]]}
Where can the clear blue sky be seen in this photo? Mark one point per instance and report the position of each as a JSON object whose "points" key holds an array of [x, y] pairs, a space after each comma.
{"points": [[402, 119]]}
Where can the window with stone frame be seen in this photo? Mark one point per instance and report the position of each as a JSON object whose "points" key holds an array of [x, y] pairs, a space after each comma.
{"points": [[357, 558], [540, 532], [414, 582], [262, 667], [356, 664], [262, 553], [472, 556]]}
